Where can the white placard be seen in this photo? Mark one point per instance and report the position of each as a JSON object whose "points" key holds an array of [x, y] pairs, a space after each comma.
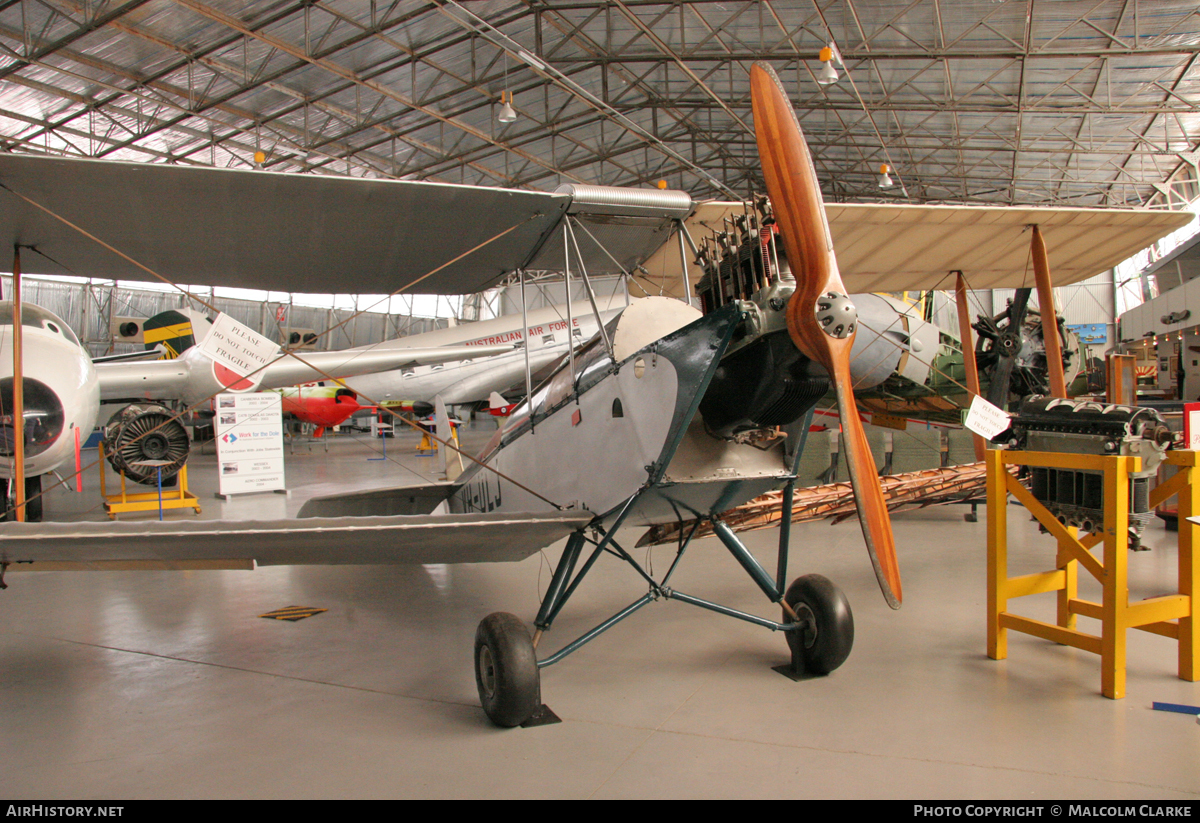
{"points": [[249, 432], [237, 347], [985, 419]]}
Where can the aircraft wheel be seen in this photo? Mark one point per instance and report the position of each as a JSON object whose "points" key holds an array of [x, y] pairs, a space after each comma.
{"points": [[825, 643], [33, 497], [506, 671]]}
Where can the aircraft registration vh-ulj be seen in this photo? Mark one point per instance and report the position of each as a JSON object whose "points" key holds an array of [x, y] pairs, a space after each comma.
{"points": [[675, 412]]}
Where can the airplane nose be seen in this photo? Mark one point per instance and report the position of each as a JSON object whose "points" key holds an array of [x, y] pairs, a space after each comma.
{"points": [[44, 416]]}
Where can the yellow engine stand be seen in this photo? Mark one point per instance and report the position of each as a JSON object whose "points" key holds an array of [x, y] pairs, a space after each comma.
{"points": [[1169, 615], [428, 446], [177, 498]]}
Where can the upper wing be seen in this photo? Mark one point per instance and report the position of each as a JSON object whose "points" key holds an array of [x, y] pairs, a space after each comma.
{"points": [[885, 247], [305, 232]]}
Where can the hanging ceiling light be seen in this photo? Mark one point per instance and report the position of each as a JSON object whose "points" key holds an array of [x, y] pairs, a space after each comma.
{"points": [[507, 112], [885, 180], [828, 73]]}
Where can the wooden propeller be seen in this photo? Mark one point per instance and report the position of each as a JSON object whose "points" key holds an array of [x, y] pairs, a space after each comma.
{"points": [[821, 318]]}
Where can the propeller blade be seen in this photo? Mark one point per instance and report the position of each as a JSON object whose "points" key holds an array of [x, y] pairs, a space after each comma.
{"points": [[1007, 346], [821, 317]]}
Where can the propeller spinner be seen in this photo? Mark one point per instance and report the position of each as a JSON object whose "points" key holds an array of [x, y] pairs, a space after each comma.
{"points": [[821, 317]]}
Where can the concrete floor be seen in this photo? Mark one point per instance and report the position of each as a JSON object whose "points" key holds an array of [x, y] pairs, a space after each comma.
{"points": [[169, 685]]}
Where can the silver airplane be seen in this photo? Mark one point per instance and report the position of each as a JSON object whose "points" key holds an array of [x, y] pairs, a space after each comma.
{"points": [[669, 413]]}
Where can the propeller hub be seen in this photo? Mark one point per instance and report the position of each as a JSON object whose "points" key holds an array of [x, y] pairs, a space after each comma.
{"points": [[1009, 344], [836, 314]]}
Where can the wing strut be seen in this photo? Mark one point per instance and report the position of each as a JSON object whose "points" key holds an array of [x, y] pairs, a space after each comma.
{"points": [[18, 392], [968, 350], [1045, 290]]}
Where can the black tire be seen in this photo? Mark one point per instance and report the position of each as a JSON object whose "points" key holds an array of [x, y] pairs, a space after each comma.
{"points": [[506, 671], [827, 643], [33, 498]]}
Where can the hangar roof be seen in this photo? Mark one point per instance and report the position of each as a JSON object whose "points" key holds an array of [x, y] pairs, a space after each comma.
{"points": [[1032, 103]]}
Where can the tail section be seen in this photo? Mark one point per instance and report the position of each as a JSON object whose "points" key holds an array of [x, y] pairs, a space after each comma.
{"points": [[498, 406], [175, 331]]}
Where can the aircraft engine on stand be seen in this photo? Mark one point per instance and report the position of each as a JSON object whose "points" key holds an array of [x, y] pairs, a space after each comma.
{"points": [[146, 432]]}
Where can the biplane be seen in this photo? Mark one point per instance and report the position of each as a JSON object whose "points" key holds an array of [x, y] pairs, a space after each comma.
{"points": [[669, 413]]}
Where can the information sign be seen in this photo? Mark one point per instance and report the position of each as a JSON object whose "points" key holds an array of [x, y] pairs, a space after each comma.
{"points": [[236, 347], [249, 433]]}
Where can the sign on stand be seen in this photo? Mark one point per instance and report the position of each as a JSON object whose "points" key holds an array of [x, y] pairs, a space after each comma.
{"points": [[249, 433], [985, 419]]}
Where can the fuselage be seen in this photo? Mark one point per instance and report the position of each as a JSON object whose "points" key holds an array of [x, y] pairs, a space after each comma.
{"points": [[323, 406], [621, 423], [471, 380], [61, 390]]}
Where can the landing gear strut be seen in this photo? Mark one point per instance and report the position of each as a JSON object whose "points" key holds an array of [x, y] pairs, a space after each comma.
{"points": [[507, 667]]}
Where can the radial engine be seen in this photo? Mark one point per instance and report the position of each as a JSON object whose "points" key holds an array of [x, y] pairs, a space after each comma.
{"points": [[764, 381]]}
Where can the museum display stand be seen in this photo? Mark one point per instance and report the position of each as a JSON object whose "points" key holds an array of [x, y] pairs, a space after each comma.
{"points": [[124, 502], [1169, 615]]}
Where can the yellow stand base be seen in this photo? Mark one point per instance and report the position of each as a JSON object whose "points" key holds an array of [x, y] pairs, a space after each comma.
{"points": [[428, 446], [123, 503], [1169, 615]]}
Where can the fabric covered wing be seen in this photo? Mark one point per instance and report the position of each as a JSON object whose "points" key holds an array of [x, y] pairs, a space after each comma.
{"points": [[885, 247], [316, 541], [265, 230]]}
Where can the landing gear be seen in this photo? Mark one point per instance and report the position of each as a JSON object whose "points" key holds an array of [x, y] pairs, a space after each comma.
{"points": [[819, 628], [824, 641], [506, 670], [33, 500]]}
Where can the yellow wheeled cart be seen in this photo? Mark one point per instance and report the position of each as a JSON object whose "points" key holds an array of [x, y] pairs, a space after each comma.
{"points": [[1170, 615]]}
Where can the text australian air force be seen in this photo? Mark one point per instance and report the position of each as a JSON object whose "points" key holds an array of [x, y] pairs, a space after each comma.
{"points": [[516, 335]]}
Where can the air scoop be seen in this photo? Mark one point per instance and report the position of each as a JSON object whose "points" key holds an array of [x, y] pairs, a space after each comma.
{"points": [[44, 416]]}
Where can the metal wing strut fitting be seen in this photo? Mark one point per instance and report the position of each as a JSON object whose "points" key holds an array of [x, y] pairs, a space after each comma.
{"points": [[821, 317]]}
